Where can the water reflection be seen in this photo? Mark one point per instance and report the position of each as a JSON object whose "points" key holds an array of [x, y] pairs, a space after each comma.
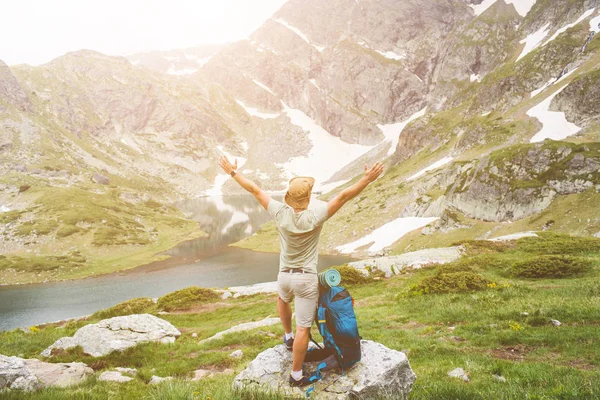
{"points": [[205, 262]]}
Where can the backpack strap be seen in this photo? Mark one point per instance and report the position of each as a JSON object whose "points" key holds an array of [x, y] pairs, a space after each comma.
{"points": [[327, 337], [316, 376]]}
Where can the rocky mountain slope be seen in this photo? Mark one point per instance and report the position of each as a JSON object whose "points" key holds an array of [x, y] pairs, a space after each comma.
{"points": [[454, 95]]}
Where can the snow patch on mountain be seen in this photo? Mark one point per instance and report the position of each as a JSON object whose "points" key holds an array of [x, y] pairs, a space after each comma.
{"points": [[554, 124], [392, 131], [255, 113], [328, 155], [478, 9], [387, 234], [391, 55], [185, 71], [568, 26], [130, 143], [299, 33], [533, 41], [4, 209], [433, 166], [595, 24], [262, 85], [314, 83]]}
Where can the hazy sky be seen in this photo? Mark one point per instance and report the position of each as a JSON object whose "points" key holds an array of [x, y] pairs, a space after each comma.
{"points": [[36, 31]]}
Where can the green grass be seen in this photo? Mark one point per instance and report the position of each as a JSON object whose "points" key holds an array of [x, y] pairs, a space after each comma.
{"points": [[110, 233], [504, 329], [187, 298]]}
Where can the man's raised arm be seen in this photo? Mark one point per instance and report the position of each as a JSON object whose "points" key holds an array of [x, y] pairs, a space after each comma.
{"points": [[262, 197], [349, 193]]}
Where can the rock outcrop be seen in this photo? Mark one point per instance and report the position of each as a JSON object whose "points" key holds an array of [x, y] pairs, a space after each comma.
{"points": [[32, 374], [381, 373], [391, 265], [243, 327], [118, 333], [10, 90]]}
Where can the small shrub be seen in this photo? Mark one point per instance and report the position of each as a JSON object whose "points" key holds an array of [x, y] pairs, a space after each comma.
{"points": [[455, 282], [67, 230], [185, 299], [351, 276], [551, 267], [559, 244], [452, 268], [476, 247], [141, 305]]}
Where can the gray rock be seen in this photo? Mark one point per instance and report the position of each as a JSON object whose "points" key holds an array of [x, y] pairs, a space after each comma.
{"points": [[155, 380], [118, 333], [26, 383], [200, 374], [100, 179], [556, 322], [597, 234], [33, 374], [237, 354], [243, 327], [381, 373], [113, 376], [127, 371], [459, 373], [393, 264]]}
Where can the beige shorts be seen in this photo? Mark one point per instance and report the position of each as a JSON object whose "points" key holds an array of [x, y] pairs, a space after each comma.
{"points": [[305, 288]]}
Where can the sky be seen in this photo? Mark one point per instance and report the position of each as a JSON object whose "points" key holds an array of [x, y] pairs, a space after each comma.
{"points": [[37, 31]]}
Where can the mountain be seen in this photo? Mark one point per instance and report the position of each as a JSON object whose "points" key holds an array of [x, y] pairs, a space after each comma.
{"points": [[175, 62], [485, 113]]}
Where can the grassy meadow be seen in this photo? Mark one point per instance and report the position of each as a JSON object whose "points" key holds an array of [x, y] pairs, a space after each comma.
{"points": [[478, 313]]}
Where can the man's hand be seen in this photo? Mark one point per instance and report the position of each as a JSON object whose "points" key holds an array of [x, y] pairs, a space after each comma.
{"points": [[349, 193], [227, 166], [262, 197], [373, 173]]}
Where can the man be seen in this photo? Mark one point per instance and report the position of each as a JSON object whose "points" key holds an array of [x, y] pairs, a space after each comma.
{"points": [[299, 223]]}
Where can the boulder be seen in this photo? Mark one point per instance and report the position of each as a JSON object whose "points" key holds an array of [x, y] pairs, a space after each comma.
{"points": [[118, 333], [31, 374], [113, 376], [237, 354], [155, 380], [392, 264], [246, 326], [381, 373], [459, 373], [100, 179]]}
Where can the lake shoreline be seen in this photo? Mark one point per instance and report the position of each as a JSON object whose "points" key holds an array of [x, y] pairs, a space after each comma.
{"points": [[191, 236]]}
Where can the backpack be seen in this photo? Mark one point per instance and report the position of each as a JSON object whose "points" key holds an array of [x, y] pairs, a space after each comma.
{"points": [[337, 324]]}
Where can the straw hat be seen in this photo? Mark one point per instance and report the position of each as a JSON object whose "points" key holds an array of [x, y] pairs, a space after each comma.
{"points": [[298, 195]]}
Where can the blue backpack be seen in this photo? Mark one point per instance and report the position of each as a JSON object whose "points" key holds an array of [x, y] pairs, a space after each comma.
{"points": [[337, 324]]}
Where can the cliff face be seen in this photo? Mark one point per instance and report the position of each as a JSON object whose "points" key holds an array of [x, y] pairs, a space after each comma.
{"points": [[10, 90], [322, 88]]}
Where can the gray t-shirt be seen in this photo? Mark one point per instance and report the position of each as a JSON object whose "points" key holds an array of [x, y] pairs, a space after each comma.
{"points": [[299, 233]]}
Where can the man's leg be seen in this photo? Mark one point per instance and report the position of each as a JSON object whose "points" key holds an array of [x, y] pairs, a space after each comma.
{"points": [[285, 315], [284, 309], [306, 291], [300, 347]]}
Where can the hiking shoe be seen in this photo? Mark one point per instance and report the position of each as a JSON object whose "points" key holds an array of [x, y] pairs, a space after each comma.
{"points": [[304, 381], [289, 343]]}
